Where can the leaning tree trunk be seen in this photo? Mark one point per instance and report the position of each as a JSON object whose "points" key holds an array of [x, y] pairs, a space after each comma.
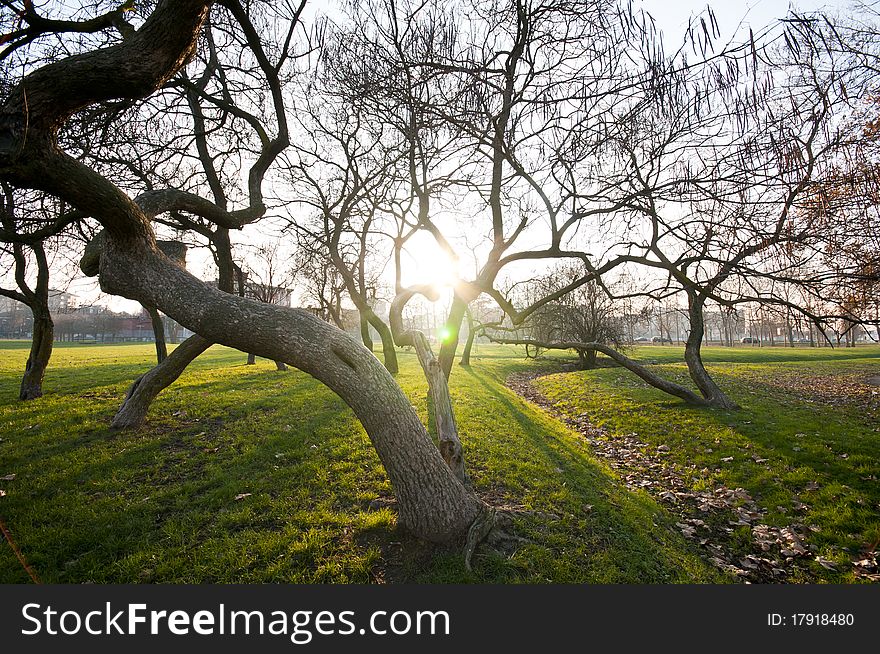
{"points": [[432, 503], [389, 350], [633, 366], [444, 415], [144, 390], [365, 331], [38, 359], [708, 388], [158, 334]]}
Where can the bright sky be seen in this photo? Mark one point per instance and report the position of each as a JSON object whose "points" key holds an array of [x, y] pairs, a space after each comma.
{"points": [[671, 17]]}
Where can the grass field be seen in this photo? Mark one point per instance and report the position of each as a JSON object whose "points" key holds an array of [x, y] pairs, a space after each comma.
{"points": [[246, 474]]}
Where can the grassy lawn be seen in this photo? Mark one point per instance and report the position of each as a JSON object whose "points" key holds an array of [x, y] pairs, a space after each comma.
{"points": [[246, 474], [805, 445]]}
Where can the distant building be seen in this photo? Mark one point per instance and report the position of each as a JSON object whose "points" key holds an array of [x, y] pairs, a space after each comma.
{"points": [[62, 301]]}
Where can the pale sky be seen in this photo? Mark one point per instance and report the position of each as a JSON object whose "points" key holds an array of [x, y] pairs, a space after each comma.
{"points": [[671, 17]]}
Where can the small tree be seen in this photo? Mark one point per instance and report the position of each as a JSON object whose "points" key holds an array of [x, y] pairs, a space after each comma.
{"points": [[35, 294], [585, 315]]}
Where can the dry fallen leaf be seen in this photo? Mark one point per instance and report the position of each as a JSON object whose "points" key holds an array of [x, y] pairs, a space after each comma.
{"points": [[8, 477], [241, 496], [825, 563]]}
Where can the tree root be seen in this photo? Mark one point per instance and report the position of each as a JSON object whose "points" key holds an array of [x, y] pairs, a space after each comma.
{"points": [[494, 525], [479, 530]]}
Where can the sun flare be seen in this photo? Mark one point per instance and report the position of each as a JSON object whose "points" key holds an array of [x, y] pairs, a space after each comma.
{"points": [[424, 262]]}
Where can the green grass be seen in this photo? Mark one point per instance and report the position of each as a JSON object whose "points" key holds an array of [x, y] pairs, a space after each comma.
{"points": [[159, 504], [797, 413]]}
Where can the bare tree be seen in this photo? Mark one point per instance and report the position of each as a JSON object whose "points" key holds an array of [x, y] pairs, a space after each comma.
{"points": [[585, 315], [266, 278], [35, 295]]}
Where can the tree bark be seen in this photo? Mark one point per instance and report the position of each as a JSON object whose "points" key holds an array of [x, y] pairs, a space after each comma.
{"points": [[158, 334], [438, 385], [251, 359], [145, 388], [713, 395], [38, 359], [37, 300], [444, 415]]}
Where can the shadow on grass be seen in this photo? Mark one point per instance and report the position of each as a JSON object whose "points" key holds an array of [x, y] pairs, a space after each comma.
{"points": [[616, 527]]}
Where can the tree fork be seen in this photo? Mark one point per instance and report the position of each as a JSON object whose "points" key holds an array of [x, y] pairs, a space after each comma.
{"points": [[713, 395], [438, 386]]}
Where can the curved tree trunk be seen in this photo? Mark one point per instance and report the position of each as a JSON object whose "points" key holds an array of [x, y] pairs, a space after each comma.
{"points": [[158, 334], [144, 390], [389, 350], [711, 392], [433, 504], [633, 366], [365, 331], [38, 359], [133, 411]]}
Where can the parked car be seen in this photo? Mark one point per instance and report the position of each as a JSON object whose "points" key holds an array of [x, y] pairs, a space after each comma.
{"points": [[748, 339], [642, 339], [661, 340]]}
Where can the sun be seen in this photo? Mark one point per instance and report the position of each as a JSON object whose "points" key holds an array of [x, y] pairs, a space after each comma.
{"points": [[425, 262]]}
